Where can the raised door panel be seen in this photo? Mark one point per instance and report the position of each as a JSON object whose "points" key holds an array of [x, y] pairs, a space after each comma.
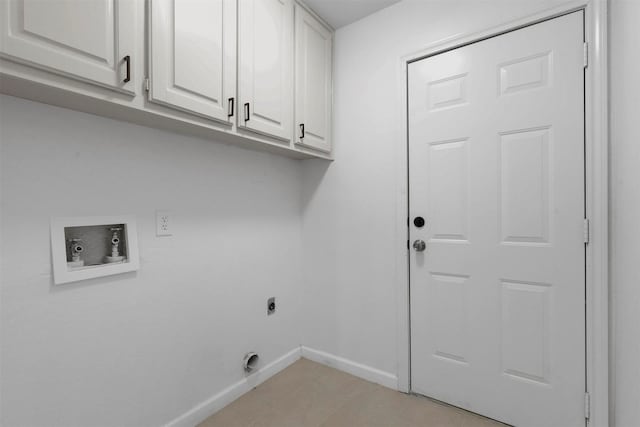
{"points": [[525, 186], [313, 70], [448, 182], [92, 41], [192, 56], [265, 83]]}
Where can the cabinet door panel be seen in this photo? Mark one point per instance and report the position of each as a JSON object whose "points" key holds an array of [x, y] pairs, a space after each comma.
{"points": [[85, 40], [313, 82], [193, 55], [266, 68]]}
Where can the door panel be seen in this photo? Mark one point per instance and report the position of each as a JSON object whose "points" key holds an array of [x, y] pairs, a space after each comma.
{"points": [[313, 72], [496, 168], [94, 19], [526, 308], [447, 167], [85, 40], [524, 186], [193, 56], [265, 74]]}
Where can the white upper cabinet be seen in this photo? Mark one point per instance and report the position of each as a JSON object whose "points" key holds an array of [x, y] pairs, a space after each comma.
{"points": [[193, 56], [265, 74], [313, 88], [228, 69], [92, 41]]}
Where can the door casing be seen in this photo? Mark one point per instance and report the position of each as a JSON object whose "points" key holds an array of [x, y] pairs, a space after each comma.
{"points": [[596, 198]]}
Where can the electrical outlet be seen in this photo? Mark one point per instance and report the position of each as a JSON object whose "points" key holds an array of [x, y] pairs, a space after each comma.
{"points": [[164, 223]]}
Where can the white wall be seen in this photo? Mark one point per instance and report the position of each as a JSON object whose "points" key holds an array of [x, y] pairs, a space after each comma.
{"points": [[625, 208], [349, 207], [350, 219], [139, 349]]}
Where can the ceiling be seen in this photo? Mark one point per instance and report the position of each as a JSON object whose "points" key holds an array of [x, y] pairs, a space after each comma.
{"points": [[339, 13]]}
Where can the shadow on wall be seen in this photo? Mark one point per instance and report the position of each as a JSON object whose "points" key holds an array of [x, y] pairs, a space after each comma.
{"points": [[315, 170], [107, 280]]}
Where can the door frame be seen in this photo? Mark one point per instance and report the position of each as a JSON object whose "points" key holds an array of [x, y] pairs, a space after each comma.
{"points": [[596, 197]]}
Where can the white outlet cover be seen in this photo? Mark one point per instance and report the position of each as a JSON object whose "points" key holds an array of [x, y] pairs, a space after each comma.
{"points": [[164, 223]]}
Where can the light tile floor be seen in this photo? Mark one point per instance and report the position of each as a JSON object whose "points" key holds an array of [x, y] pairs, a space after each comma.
{"points": [[308, 394]]}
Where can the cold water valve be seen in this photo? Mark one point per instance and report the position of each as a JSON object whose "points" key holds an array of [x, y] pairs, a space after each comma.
{"points": [[115, 246]]}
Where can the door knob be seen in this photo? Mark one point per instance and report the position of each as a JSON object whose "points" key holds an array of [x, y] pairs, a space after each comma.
{"points": [[419, 245]]}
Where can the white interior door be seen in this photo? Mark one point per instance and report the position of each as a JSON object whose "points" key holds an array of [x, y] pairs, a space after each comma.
{"points": [[496, 146], [265, 66], [92, 40], [193, 56]]}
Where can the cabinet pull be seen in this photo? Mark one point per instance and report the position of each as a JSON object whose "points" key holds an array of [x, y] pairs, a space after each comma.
{"points": [[232, 107], [247, 114], [127, 60], [301, 130]]}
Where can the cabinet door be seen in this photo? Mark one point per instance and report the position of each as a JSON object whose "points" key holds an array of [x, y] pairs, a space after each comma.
{"points": [[313, 71], [192, 56], [265, 82], [92, 41]]}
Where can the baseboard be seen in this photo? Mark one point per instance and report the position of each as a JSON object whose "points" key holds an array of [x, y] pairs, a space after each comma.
{"points": [[359, 370], [212, 405]]}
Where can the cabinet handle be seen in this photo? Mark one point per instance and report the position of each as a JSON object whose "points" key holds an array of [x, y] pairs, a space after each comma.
{"points": [[247, 114], [232, 107], [301, 130], [127, 60]]}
